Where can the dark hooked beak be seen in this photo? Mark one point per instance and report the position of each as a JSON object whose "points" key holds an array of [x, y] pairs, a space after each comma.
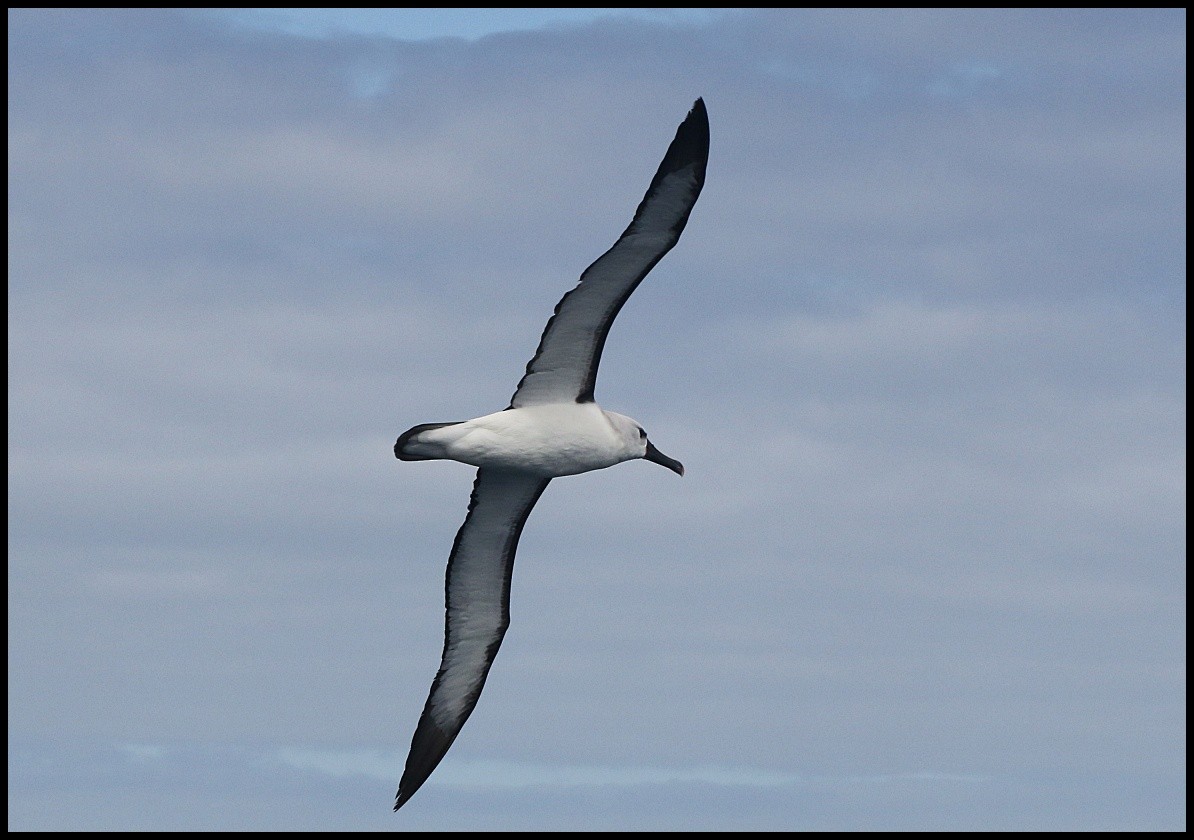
{"points": [[658, 457]]}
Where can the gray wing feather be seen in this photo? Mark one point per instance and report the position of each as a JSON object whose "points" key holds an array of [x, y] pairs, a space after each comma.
{"points": [[564, 368], [478, 613]]}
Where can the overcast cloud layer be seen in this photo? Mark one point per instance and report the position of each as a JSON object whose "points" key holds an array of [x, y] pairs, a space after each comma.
{"points": [[921, 350]]}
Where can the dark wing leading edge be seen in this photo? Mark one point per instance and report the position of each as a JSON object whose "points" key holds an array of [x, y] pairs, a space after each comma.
{"points": [[564, 368], [478, 612]]}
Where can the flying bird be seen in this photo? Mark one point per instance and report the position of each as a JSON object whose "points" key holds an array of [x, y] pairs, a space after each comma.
{"points": [[552, 427]]}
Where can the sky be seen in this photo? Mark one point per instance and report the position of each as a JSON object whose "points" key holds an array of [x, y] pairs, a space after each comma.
{"points": [[921, 350]]}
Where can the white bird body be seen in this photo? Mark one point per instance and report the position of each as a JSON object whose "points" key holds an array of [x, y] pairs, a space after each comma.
{"points": [[549, 440]]}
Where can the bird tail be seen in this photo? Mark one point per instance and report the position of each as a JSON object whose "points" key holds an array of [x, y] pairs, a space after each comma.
{"points": [[413, 446]]}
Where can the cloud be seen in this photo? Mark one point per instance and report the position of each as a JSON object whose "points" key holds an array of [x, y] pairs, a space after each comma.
{"points": [[504, 774]]}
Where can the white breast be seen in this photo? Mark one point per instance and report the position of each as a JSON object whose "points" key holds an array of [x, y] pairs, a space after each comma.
{"points": [[547, 440]]}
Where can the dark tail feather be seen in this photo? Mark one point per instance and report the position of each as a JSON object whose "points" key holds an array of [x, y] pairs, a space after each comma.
{"points": [[400, 447]]}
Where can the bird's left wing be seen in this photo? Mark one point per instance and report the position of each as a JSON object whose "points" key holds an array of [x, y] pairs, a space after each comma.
{"points": [[478, 612], [564, 368]]}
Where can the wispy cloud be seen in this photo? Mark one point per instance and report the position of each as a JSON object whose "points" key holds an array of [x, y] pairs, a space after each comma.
{"points": [[142, 752], [511, 774]]}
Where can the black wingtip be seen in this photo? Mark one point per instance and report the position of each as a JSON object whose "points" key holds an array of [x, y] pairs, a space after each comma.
{"points": [[691, 142], [690, 145], [689, 148], [697, 121], [428, 747]]}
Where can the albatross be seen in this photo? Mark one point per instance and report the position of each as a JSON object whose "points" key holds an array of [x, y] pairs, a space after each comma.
{"points": [[553, 427]]}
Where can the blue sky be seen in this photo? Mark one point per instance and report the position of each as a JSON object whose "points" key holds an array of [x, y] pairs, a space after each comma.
{"points": [[921, 350]]}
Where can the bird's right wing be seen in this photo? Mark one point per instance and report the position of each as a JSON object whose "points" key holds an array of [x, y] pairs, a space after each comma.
{"points": [[478, 612], [564, 368]]}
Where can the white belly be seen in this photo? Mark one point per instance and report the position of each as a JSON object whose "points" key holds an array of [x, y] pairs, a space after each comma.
{"points": [[548, 440]]}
